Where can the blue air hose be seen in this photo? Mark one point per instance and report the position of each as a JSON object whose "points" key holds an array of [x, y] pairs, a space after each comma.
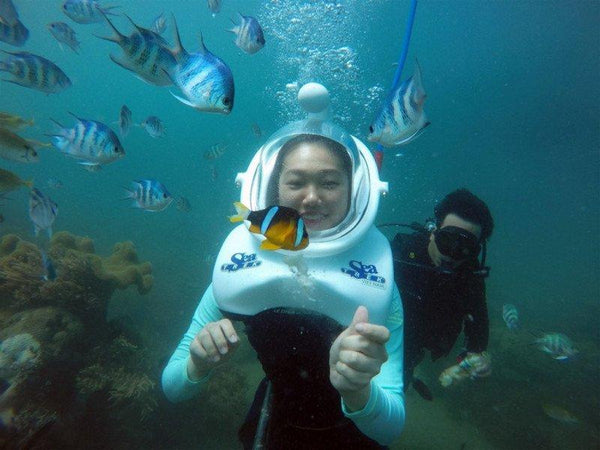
{"points": [[405, 42]]}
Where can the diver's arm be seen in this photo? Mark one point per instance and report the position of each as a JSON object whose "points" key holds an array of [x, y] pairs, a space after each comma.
{"points": [[382, 418], [176, 383]]}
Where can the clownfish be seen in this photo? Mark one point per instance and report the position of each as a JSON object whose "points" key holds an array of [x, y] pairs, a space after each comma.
{"points": [[282, 227]]}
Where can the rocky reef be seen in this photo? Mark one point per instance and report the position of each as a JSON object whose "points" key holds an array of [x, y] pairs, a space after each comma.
{"points": [[62, 364]]}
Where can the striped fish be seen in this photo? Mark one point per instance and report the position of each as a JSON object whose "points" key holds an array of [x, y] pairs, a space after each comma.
{"points": [[42, 211], [145, 53], [14, 34], [153, 126], [249, 35], [150, 195], [282, 227], [93, 143], [203, 78], [64, 34], [33, 71], [510, 316], [402, 118], [556, 345], [8, 12], [85, 11], [124, 120], [215, 151]]}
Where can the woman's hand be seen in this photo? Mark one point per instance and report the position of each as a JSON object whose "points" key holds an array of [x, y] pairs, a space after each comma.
{"points": [[356, 357], [211, 347]]}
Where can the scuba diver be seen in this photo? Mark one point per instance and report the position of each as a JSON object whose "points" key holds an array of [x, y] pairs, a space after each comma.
{"points": [[311, 278], [441, 282]]}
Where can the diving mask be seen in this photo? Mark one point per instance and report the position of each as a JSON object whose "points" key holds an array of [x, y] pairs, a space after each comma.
{"points": [[457, 243]]}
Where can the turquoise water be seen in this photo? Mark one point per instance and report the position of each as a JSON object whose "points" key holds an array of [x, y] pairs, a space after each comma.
{"points": [[513, 97]]}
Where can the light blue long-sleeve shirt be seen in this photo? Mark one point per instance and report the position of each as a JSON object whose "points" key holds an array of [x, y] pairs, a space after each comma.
{"points": [[382, 418]]}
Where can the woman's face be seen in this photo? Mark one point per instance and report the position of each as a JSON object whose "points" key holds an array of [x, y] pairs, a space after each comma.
{"points": [[313, 181]]}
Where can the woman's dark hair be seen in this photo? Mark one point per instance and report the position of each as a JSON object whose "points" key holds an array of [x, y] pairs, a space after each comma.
{"points": [[337, 149], [468, 206]]}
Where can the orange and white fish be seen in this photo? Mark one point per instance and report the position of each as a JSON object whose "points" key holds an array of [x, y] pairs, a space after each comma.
{"points": [[282, 227]]}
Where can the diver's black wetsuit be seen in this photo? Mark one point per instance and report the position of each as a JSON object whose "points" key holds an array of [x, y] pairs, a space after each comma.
{"points": [[436, 304], [305, 413]]}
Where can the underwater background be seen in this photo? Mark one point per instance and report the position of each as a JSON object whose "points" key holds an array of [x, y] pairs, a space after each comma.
{"points": [[514, 102]]}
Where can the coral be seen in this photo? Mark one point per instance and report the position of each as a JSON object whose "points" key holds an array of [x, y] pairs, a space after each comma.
{"points": [[18, 354], [61, 361], [85, 281], [122, 268]]}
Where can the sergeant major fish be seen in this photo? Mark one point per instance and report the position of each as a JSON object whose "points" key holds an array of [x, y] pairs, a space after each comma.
{"points": [[94, 143], [35, 72], [401, 118], [14, 34], [150, 195], [145, 53], [124, 120], [556, 345], [85, 11], [214, 152], [203, 78], [8, 12], [42, 211], [249, 34], [64, 34], [510, 316], [282, 227], [153, 126]]}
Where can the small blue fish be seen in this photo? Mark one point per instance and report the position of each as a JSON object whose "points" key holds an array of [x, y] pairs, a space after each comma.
{"points": [[49, 272], [556, 345], [153, 126], [93, 143], [203, 78], [510, 316], [160, 24], [64, 34], [150, 195], [85, 11], [402, 118], [42, 211], [14, 34], [124, 120], [249, 34], [145, 53], [33, 71]]}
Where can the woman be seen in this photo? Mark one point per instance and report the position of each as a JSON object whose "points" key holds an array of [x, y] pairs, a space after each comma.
{"points": [[333, 366]]}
